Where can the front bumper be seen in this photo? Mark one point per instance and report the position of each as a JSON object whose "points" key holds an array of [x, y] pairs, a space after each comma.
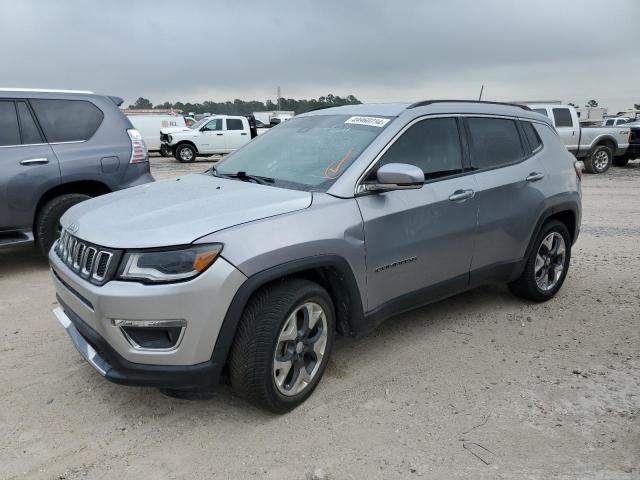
{"points": [[88, 313], [101, 356]]}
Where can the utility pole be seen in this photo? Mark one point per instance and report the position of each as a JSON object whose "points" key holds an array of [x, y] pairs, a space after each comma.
{"points": [[279, 97]]}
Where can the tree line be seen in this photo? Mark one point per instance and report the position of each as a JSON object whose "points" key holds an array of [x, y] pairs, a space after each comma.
{"points": [[244, 107]]}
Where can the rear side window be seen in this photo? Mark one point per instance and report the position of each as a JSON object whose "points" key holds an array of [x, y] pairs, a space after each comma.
{"points": [[234, 124], [531, 135], [562, 117], [494, 142], [30, 132], [431, 145], [609, 122], [9, 130], [67, 120]]}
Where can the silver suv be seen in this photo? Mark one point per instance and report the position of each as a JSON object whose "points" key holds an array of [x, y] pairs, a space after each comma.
{"points": [[328, 224]]}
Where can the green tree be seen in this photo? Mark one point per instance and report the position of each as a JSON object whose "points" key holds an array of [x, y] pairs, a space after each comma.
{"points": [[142, 102], [592, 103]]}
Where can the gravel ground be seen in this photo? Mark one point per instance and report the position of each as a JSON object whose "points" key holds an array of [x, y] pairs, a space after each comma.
{"points": [[478, 386]]}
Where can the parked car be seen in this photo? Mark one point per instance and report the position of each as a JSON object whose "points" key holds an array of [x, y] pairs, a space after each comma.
{"points": [[330, 223], [150, 124], [278, 115], [596, 146], [59, 148], [614, 121], [219, 134]]}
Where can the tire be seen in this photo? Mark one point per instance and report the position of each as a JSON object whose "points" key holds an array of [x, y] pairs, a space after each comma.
{"points": [[621, 161], [528, 285], [271, 315], [47, 226], [600, 160], [185, 153], [165, 151]]}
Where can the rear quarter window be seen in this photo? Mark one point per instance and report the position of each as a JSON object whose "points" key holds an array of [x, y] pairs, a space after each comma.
{"points": [[67, 120], [531, 135]]}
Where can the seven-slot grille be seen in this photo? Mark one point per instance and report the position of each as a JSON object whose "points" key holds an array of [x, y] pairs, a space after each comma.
{"points": [[88, 261]]}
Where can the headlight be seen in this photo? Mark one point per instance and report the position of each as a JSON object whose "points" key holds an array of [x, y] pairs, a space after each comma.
{"points": [[170, 265], [169, 138]]}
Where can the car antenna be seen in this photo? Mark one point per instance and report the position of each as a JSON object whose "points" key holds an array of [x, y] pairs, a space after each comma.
{"points": [[481, 89]]}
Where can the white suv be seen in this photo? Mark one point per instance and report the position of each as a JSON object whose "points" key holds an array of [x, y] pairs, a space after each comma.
{"points": [[218, 134]]}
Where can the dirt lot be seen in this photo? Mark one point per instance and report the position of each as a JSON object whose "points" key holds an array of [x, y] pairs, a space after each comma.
{"points": [[478, 386]]}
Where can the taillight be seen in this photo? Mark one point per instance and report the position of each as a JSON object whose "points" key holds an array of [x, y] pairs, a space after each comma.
{"points": [[579, 166], [139, 152]]}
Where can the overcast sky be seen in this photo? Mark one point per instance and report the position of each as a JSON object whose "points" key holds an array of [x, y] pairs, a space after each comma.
{"points": [[572, 50]]}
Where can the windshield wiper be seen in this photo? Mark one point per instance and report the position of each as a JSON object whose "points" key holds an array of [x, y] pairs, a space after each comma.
{"points": [[244, 176]]}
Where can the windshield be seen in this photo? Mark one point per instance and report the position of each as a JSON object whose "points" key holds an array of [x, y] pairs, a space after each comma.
{"points": [[306, 153], [198, 124]]}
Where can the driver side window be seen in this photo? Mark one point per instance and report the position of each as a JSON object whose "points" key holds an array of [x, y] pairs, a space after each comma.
{"points": [[432, 145], [213, 125]]}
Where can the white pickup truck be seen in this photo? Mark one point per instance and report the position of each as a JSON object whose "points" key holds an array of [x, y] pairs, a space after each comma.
{"points": [[218, 134], [596, 146]]}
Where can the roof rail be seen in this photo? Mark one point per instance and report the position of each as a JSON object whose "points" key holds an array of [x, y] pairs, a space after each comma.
{"points": [[43, 90], [429, 102]]}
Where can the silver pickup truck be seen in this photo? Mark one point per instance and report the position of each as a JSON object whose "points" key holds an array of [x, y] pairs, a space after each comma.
{"points": [[596, 146]]}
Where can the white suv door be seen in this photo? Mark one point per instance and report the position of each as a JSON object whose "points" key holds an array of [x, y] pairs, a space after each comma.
{"points": [[212, 137], [237, 133]]}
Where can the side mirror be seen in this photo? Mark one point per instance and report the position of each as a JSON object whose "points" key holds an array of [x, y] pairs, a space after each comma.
{"points": [[396, 176]]}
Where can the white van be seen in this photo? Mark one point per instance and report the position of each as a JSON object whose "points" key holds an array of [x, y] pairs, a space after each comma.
{"points": [[150, 124]]}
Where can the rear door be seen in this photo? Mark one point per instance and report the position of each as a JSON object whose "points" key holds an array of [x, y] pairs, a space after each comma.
{"points": [[211, 138], [28, 165], [421, 241], [237, 133], [567, 128], [510, 194]]}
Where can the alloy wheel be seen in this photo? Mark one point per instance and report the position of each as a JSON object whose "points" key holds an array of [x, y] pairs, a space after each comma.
{"points": [[601, 160], [550, 261], [300, 348]]}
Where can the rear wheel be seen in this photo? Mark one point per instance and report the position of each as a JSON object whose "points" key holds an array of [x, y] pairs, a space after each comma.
{"points": [[600, 159], [282, 345], [547, 265], [621, 161], [185, 153], [47, 226]]}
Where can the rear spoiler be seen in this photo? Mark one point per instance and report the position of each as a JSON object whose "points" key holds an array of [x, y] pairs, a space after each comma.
{"points": [[117, 100]]}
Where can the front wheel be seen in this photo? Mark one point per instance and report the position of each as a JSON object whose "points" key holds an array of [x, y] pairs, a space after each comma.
{"points": [[283, 344], [547, 264], [185, 153], [600, 160]]}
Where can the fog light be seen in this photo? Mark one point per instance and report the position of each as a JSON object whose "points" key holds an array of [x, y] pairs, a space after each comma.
{"points": [[152, 334]]}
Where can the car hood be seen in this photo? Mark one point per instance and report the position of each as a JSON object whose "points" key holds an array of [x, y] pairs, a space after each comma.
{"points": [[175, 130], [178, 211]]}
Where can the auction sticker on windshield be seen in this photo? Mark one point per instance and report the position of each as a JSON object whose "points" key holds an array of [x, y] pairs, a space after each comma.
{"points": [[369, 121]]}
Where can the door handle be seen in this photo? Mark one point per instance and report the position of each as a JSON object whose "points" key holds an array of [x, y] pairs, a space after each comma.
{"points": [[219, 134], [461, 195], [535, 176], [34, 161], [243, 134]]}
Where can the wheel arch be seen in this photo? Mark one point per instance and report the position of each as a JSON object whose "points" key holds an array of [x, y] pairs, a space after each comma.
{"points": [[332, 272], [606, 141], [92, 188], [184, 142]]}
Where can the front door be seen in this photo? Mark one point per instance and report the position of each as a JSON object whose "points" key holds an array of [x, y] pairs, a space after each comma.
{"points": [[211, 138], [421, 241], [28, 166]]}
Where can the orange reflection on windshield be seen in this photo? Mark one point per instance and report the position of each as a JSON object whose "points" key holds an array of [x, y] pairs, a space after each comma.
{"points": [[333, 170]]}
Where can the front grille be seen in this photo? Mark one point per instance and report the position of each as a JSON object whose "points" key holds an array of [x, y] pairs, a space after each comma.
{"points": [[89, 261]]}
